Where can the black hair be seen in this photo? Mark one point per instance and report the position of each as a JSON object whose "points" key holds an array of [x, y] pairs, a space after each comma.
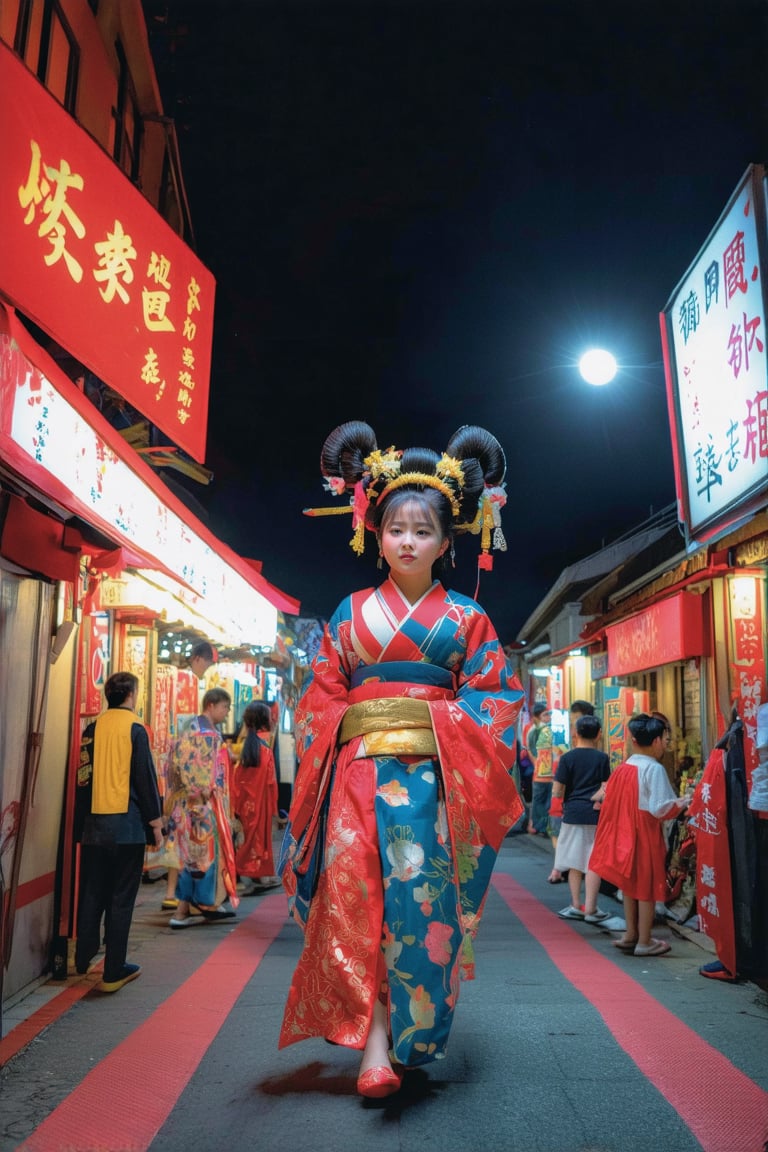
{"points": [[645, 729], [660, 716], [257, 718], [482, 464], [119, 687], [589, 727], [204, 650], [584, 707], [215, 696]]}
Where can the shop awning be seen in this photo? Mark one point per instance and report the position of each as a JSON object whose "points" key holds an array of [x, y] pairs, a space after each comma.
{"points": [[671, 630], [58, 442], [281, 600]]}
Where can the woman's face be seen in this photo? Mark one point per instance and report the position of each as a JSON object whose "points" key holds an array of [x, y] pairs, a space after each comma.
{"points": [[411, 540]]}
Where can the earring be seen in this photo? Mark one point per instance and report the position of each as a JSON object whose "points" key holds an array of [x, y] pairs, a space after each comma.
{"points": [[453, 556], [380, 561]]}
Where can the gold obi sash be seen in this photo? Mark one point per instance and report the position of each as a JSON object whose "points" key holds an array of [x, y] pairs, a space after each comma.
{"points": [[389, 726]]}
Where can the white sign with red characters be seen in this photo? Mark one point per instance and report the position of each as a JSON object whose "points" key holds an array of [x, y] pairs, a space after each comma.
{"points": [[714, 336]]}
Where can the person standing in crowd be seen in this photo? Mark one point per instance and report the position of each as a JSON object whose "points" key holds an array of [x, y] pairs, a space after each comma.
{"points": [[629, 848], [202, 656], [540, 790], [254, 801], [117, 813], [199, 822], [579, 708], [548, 753], [389, 846], [580, 774]]}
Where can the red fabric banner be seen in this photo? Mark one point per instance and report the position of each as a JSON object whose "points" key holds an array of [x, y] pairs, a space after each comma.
{"points": [[708, 816]]}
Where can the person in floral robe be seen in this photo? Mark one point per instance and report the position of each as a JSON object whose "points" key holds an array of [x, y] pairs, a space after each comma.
{"points": [[403, 795]]}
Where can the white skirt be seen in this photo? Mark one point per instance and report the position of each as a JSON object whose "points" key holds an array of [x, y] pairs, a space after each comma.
{"points": [[574, 846]]}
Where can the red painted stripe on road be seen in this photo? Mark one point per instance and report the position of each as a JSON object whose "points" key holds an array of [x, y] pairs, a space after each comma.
{"points": [[117, 1106], [727, 1110]]}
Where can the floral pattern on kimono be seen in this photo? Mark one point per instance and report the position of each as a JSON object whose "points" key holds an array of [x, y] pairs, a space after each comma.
{"points": [[408, 842], [197, 813]]}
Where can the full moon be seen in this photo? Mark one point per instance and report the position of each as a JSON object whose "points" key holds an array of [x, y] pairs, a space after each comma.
{"points": [[598, 366]]}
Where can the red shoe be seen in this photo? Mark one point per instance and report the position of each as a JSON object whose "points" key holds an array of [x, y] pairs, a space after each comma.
{"points": [[378, 1082]]}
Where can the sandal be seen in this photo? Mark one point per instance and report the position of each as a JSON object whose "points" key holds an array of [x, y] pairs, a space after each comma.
{"points": [[655, 948], [625, 945]]}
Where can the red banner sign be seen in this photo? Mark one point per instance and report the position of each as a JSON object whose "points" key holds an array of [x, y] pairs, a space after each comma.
{"points": [[747, 659], [88, 258], [708, 816], [668, 631]]}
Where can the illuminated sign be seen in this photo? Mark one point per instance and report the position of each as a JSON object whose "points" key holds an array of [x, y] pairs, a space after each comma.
{"points": [[88, 258], [714, 337], [663, 633], [46, 437]]}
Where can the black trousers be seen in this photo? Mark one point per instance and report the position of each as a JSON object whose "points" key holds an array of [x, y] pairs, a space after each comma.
{"points": [[110, 876]]}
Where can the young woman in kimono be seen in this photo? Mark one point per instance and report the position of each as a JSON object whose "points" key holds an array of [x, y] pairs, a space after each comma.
{"points": [[406, 741]]}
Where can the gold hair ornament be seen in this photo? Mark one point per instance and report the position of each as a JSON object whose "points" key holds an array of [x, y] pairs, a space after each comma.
{"points": [[427, 481], [383, 476]]}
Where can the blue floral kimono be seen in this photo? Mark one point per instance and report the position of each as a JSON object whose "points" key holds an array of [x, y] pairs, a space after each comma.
{"points": [[403, 795]]}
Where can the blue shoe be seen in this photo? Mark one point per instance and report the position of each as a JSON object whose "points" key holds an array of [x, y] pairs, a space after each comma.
{"points": [[717, 971], [130, 972]]}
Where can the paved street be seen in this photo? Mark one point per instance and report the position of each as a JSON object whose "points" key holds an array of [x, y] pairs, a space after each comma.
{"points": [[562, 1044]]}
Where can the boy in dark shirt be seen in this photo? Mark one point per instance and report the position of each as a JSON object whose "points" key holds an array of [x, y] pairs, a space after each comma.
{"points": [[579, 774]]}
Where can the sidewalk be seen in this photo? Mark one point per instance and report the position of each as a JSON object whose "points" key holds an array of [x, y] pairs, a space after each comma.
{"points": [[683, 931]]}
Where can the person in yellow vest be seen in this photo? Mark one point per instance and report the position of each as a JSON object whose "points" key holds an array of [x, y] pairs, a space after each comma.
{"points": [[542, 779], [548, 753], [117, 813]]}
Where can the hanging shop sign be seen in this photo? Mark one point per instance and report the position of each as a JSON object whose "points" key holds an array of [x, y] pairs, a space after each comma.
{"points": [[88, 258], [51, 435], [714, 342], [747, 657], [674, 629], [555, 688]]}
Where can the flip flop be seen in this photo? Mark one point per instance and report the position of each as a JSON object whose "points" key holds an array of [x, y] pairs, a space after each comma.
{"points": [[655, 948], [625, 946]]}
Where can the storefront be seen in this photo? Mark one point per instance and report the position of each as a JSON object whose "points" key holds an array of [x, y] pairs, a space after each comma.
{"points": [[657, 659], [99, 559], [99, 563], [713, 342]]}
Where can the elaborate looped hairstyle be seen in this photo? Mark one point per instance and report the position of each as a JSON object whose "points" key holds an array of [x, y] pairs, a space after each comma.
{"points": [[464, 485]]}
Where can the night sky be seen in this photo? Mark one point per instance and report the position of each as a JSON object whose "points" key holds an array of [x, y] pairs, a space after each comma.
{"points": [[419, 215]]}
